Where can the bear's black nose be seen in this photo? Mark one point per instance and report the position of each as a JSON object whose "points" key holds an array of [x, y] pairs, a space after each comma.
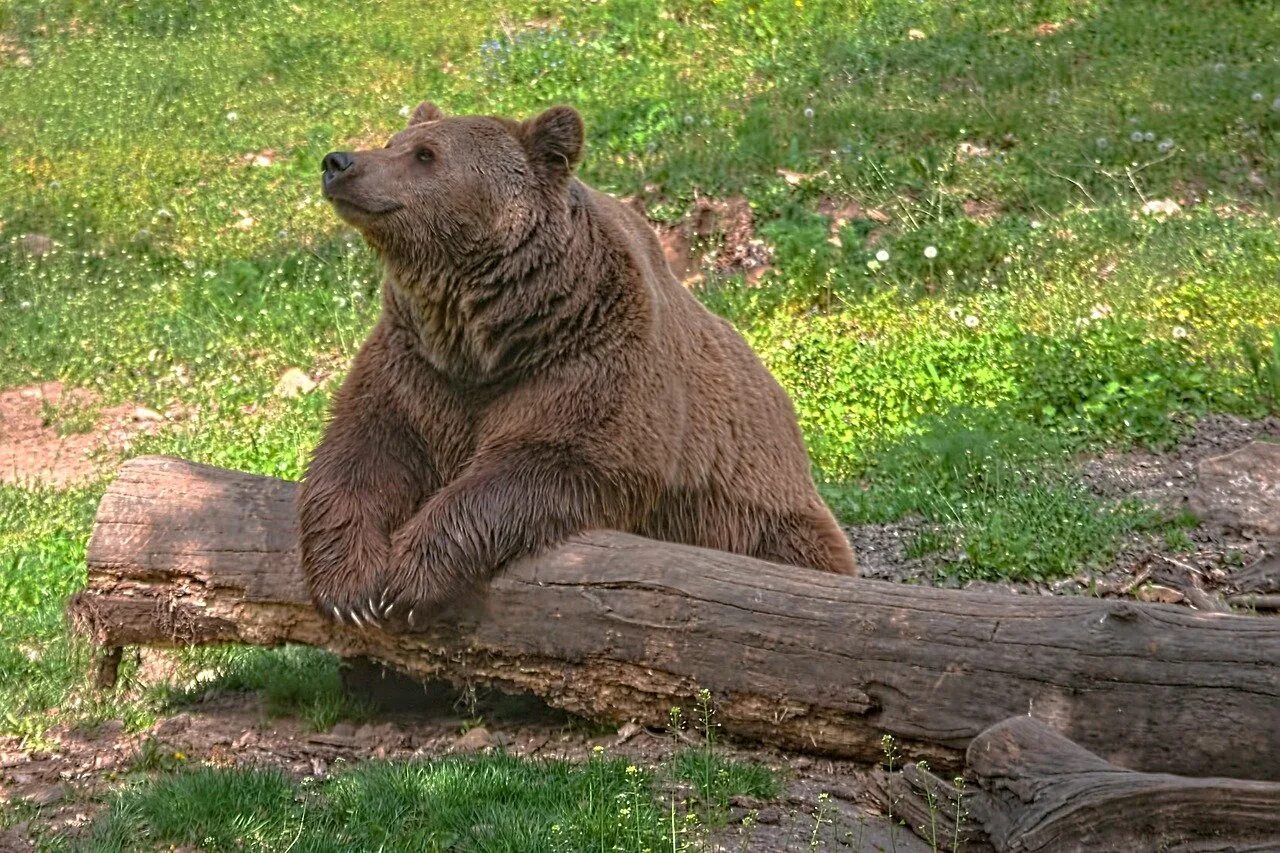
{"points": [[337, 161]]}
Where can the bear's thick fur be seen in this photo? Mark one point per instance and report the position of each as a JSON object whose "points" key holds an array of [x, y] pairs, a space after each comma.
{"points": [[537, 371]]}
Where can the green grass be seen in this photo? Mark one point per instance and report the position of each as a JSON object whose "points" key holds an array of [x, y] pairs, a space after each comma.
{"points": [[293, 681], [954, 386], [495, 803], [1000, 497], [719, 779]]}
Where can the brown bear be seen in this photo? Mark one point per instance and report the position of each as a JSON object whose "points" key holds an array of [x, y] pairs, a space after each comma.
{"points": [[537, 371]]}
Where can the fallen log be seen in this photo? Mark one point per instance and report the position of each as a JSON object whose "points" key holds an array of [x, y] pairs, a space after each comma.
{"points": [[1030, 789], [621, 628], [1043, 792]]}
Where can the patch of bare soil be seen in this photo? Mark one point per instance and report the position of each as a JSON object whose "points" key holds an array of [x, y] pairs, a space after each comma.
{"points": [[58, 436], [1216, 558], [716, 237], [68, 782], [1217, 555]]}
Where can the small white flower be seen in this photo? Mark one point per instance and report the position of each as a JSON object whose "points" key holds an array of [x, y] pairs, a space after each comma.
{"points": [[1179, 332], [404, 111], [25, 305], [882, 256], [1255, 97], [1218, 67], [1054, 98], [1099, 311], [1148, 137], [1101, 142], [1035, 223], [954, 313], [931, 252], [1136, 136], [53, 185], [808, 113], [1165, 146], [688, 119], [971, 321], [232, 116], [1275, 105]]}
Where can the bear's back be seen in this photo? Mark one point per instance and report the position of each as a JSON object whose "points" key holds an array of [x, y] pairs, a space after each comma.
{"points": [[741, 426]]}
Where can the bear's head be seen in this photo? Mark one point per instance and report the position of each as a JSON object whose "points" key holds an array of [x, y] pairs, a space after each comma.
{"points": [[458, 194]]}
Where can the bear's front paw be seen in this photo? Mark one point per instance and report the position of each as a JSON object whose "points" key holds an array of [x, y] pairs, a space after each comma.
{"points": [[418, 585], [360, 607], [343, 561]]}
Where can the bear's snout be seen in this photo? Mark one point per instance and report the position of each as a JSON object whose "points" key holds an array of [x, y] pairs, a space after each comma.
{"points": [[335, 163]]}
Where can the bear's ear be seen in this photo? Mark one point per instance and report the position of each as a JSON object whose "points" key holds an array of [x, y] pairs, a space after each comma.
{"points": [[426, 112], [553, 140]]}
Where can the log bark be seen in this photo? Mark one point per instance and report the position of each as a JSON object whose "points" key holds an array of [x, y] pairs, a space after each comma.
{"points": [[617, 627], [1040, 791]]}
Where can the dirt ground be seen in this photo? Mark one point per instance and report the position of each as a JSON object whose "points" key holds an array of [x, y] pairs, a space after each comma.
{"points": [[233, 729], [55, 436]]}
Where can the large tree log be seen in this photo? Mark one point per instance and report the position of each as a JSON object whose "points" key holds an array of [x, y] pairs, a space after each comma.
{"points": [[617, 627]]}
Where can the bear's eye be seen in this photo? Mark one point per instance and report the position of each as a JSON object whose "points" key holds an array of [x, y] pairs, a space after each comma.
{"points": [[424, 155]]}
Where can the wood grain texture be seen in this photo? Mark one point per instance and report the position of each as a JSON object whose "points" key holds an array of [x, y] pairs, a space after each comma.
{"points": [[1039, 791], [617, 627]]}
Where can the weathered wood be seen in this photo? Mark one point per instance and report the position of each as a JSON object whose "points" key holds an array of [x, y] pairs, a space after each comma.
{"points": [[617, 627], [1039, 791], [940, 813], [1256, 602]]}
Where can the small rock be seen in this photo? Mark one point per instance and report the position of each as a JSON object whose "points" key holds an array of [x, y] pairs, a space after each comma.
{"points": [[1241, 489], [769, 816], [474, 740], [13, 758], [142, 413], [972, 151], [1162, 207], [41, 795], [1154, 593], [294, 383], [388, 736], [795, 179], [172, 726], [916, 35], [627, 732]]}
